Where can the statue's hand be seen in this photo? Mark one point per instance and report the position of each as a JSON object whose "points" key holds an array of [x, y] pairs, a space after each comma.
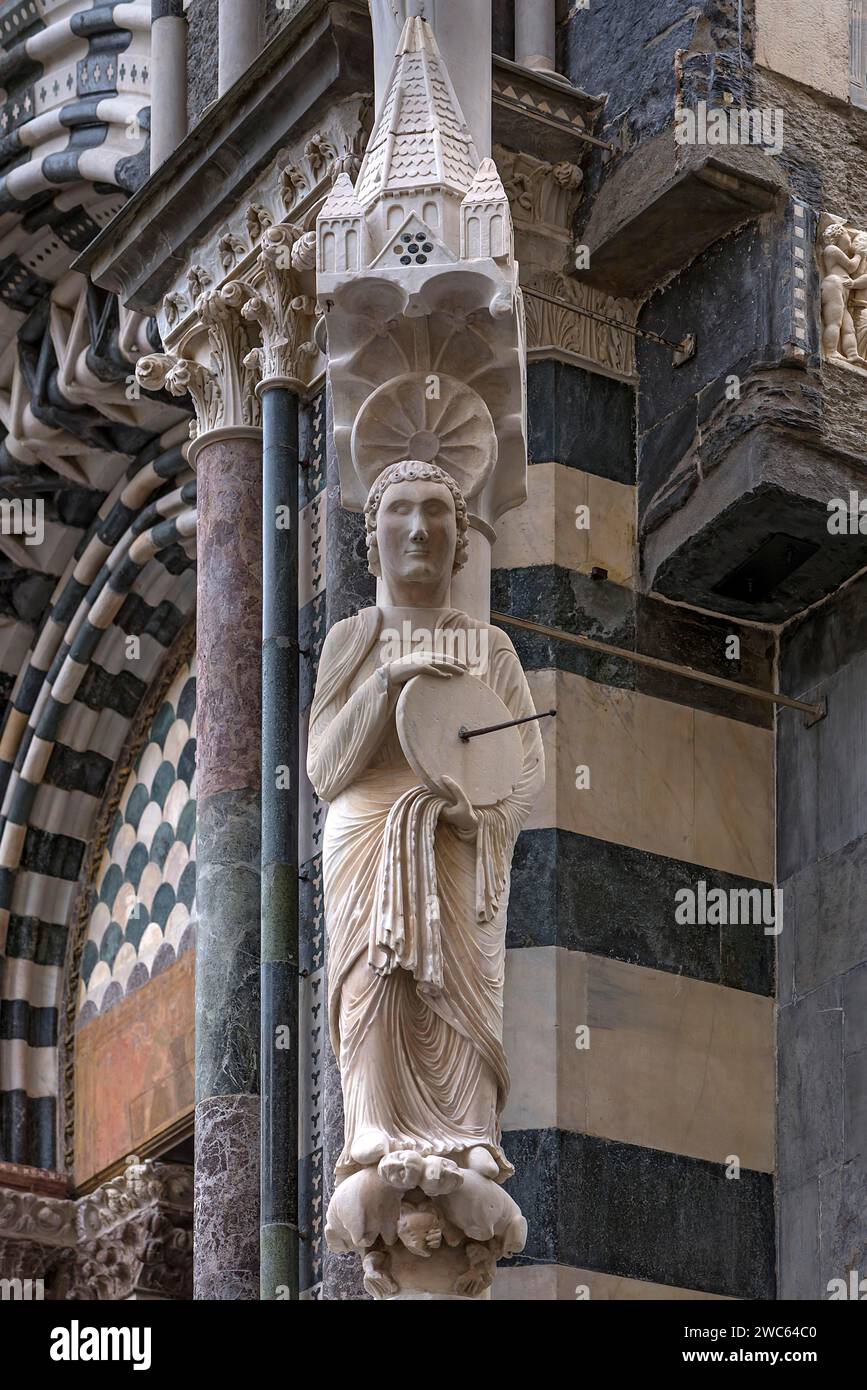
{"points": [[406, 667], [460, 815]]}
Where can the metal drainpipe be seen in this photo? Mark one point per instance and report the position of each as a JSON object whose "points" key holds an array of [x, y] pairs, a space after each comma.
{"points": [[168, 79], [279, 1263]]}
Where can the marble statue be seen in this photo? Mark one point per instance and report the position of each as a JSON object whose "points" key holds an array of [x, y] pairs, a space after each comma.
{"points": [[843, 256], [416, 881]]}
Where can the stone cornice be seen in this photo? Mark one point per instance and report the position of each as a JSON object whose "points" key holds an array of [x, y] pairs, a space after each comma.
{"points": [[322, 56]]}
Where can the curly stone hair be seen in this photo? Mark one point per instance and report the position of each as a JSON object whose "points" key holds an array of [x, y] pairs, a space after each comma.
{"points": [[412, 471]]}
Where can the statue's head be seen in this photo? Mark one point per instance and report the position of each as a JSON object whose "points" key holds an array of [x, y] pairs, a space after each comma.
{"points": [[416, 519]]}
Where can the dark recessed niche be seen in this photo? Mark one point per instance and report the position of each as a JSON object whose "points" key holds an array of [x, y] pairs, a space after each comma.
{"points": [[756, 578]]}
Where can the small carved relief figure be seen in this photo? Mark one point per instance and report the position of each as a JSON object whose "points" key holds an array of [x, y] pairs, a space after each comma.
{"points": [[841, 274]]}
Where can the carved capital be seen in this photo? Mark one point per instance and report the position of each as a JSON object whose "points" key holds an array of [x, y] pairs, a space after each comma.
{"points": [[132, 1233], [285, 317], [223, 393], [543, 196]]}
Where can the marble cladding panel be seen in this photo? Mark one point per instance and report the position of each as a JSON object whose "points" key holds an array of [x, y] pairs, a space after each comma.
{"points": [[611, 900], [581, 419], [662, 777], [670, 1062], [600, 1204], [559, 1283], [572, 518], [145, 886]]}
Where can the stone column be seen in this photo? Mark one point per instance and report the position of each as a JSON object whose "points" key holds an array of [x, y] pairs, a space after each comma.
{"points": [[240, 38], [535, 34], [227, 455], [168, 78], [286, 323]]}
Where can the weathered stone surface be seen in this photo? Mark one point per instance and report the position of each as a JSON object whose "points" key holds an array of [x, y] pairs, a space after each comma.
{"points": [[810, 1085], [798, 1241], [226, 1218], [202, 57]]}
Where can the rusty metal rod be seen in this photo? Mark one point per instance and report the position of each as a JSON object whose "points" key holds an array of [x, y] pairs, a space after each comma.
{"points": [[771, 697], [465, 734]]}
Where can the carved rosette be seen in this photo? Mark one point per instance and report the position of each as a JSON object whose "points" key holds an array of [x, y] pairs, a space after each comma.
{"points": [[132, 1235]]}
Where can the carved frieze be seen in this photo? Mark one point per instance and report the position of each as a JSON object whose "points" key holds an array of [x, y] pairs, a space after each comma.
{"points": [[132, 1235], [295, 183], [555, 330]]}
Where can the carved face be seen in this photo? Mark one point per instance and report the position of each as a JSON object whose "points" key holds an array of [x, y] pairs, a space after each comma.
{"points": [[402, 1169], [416, 532]]}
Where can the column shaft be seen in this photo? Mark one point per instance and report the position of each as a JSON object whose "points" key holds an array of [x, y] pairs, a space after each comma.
{"points": [[240, 38], [229, 700], [168, 79], [535, 34], [280, 784]]}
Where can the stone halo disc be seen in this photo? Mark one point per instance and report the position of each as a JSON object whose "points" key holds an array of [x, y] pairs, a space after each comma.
{"points": [[403, 419], [431, 711]]}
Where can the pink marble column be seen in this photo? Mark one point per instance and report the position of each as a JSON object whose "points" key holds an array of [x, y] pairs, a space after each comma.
{"points": [[229, 703]]}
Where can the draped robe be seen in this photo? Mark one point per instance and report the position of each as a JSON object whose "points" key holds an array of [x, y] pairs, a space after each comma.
{"points": [[415, 910]]}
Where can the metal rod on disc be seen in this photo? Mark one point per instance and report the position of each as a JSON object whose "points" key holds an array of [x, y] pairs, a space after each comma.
{"points": [[816, 712], [465, 734]]}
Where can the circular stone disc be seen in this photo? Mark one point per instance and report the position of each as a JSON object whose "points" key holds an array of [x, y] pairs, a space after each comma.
{"points": [[431, 711], [402, 420]]}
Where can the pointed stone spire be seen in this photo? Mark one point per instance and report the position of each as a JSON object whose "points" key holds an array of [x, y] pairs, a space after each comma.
{"points": [[486, 219], [421, 157], [340, 230]]}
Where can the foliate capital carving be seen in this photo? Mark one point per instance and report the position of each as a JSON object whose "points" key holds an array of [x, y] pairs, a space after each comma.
{"points": [[285, 317], [540, 192], [223, 393], [132, 1233]]}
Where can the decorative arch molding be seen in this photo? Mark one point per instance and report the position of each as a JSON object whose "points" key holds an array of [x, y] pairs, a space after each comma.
{"points": [[180, 657], [69, 718]]}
